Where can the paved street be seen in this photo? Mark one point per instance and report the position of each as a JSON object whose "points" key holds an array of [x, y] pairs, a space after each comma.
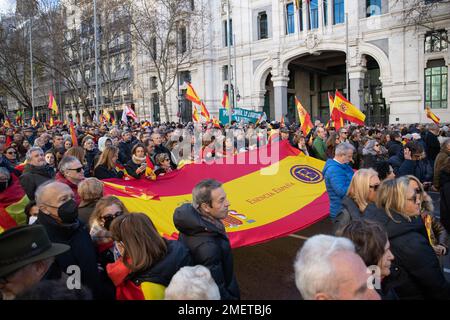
{"points": [[265, 271]]}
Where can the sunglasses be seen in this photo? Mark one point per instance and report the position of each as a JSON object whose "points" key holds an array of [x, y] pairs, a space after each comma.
{"points": [[377, 145], [374, 187], [77, 169], [112, 216], [11, 152]]}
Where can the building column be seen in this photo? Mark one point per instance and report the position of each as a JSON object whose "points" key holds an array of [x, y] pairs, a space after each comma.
{"points": [[320, 15], [305, 12], [259, 97], [357, 76], [280, 84]]}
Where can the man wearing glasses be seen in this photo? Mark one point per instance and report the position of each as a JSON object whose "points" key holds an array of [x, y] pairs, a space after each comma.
{"points": [[343, 135], [36, 172], [71, 172]]}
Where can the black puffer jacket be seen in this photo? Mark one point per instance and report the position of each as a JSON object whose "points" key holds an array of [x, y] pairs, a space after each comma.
{"points": [[417, 272], [33, 177], [210, 247], [444, 182], [177, 256]]}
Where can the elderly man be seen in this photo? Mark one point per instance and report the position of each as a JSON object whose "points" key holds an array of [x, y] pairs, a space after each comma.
{"points": [[36, 172], [58, 213], [327, 268], [27, 258], [160, 148], [71, 172], [201, 229], [338, 175]]}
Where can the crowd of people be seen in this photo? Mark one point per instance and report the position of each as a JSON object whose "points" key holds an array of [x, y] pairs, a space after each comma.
{"points": [[377, 179]]}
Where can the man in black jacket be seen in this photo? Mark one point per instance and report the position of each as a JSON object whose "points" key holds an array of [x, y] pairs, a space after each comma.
{"points": [[125, 147], [36, 172], [159, 148], [58, 213], [433, 147], [202, 230]]}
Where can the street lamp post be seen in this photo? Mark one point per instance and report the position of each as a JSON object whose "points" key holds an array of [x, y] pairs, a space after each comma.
{"points": [[31, 68], [229, 61], [96, 59]]}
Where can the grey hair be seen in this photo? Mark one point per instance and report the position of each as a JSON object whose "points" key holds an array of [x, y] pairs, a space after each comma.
{"points": [[42, 189], [5, 171], [31, 150], [343, 148], [65, 161], [192, 283], [202, 192], [313, 266]]}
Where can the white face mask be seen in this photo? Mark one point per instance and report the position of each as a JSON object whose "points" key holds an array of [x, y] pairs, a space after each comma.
{"points": [[32, 219]]}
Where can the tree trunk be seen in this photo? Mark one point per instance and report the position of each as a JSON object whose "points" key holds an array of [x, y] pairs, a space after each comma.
{"points": [[164, 105]]}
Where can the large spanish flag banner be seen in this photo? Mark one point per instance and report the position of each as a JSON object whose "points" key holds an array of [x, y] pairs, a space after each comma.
{"points": [[12, 205], [276, 196]]}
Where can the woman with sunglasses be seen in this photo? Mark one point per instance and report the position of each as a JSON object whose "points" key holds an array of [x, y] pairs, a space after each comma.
{"points": [[106, 210], [372, 154], [361, 193], [11, 156], [416, 272], [71, 173], [147, 261]]}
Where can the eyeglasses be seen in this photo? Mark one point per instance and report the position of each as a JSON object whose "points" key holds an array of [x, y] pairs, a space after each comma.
{"points": [[374, 187], [344, 132], [377, 145], [77, 169], [11, 152]]}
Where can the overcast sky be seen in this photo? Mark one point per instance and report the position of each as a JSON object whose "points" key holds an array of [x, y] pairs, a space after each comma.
{"points": [[7, 5]]}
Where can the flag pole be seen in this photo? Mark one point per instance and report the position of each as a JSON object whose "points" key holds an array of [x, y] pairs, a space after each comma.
{"points": [[229, 62], [346, 56], [96, 58]]}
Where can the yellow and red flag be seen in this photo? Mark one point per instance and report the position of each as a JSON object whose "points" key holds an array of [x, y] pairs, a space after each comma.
{"points": [[33, 122], [73, 135], [225, 101], [52, 103], [432, 116], [204, 112], [336, 119], [346, 110], [7, 123], [215, 123], [51, 123], [191, 95], [195, 116], [304, 117], [13, 201], [150, 169], [255, 216]]}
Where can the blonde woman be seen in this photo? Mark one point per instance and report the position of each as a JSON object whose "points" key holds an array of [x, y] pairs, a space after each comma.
{"points": [[106, 165], [106, 210], [361, 192], [417, 272]]}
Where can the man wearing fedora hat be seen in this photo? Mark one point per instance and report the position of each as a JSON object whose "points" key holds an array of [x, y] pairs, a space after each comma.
{"points": [[26, 258]]}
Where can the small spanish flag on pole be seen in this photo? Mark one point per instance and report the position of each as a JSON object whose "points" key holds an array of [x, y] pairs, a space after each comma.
{"points": [[195, 116], [225, 101], [432, 116], [52, 103], [73, 135]]}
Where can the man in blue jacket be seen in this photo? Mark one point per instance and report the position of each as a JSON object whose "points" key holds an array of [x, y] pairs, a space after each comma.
{"points": [[338, 175]]}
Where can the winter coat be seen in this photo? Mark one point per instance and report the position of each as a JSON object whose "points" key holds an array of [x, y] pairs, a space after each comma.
{"points": [[320, 149], [33, 177], [439, 163], [418, 274], [82, 253], [90, 161], [337, 180], [394, 148], [419, 168], [348, 213], [125, 151], [85, 210], [60, 178], [445, 200], [432, 146], [131, 168], [370, 160], [210, 247], [149, 284], [102, 172]]}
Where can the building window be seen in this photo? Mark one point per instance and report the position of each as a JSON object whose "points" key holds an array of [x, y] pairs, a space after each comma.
{"points": [[153, 48], [225, 24], [290, 16], [182, 45], [338, 12], [225, 73], [436, 41], [156, 111], [314, 14], [262, 26], [184, 76], [325, 12], [436, 84], [153, 83], [373, 8]]}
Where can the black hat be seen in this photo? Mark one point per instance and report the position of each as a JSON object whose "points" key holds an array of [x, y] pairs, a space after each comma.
{"points": [[23, 245]]}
